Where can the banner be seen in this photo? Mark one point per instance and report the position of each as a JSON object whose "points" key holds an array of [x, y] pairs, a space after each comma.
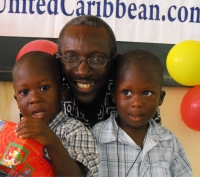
{"points": [[151, 21]]}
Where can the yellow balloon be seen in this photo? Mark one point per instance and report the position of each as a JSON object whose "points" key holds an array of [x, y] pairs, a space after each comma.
{"points": [[183, 62]]}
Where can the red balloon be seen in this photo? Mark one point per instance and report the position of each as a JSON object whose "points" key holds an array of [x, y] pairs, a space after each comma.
{"points": [[190, 108], [38, 45]]}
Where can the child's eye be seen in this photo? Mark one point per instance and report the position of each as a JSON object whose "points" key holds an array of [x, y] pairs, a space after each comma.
{"points": [[127, 93], [44, 88], [147, 93], [23, 92]]}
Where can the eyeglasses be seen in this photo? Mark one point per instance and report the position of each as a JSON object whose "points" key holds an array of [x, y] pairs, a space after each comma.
{"points": [[74, 60]]}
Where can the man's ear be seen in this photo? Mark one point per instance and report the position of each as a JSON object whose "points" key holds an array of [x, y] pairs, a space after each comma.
{"points": [[162, 96], [116, 55], [113, 59]]}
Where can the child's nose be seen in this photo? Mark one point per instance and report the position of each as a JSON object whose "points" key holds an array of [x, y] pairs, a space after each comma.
{"points": [[137, 101], [34, 98]]}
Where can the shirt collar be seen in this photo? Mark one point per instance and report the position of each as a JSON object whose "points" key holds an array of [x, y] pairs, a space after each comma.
{"points": [[110, 130]]}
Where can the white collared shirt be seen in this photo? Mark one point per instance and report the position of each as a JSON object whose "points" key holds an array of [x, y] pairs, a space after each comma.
{"points": [[162, 154]]}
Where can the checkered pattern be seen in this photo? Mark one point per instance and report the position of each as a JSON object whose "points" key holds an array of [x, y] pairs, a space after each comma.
{"points": [[162, 154], [78, 141]]}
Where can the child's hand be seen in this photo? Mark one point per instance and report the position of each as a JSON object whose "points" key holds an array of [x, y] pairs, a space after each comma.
{"points": [[35, 129]]}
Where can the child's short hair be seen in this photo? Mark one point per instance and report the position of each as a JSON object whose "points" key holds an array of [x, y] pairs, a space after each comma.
{"points": [[41, 59], [137, 57]]}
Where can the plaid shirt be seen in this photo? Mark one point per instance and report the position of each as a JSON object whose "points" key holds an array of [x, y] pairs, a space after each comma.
{"points": [[162, 154], [78, 141]]}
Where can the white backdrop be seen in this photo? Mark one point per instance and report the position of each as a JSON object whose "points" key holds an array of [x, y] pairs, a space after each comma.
{"points": [[153, 21]]}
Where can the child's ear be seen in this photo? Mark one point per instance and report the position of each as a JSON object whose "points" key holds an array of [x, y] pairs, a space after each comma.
{"points": [[162, 96]]}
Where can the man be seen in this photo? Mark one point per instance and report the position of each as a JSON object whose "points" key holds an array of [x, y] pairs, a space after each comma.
{"points": [[87, 48]]}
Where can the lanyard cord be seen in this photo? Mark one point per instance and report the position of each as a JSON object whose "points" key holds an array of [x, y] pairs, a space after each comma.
{"points": [[117, 150]]}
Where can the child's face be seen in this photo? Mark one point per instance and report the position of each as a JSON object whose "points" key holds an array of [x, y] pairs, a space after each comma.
{"points": [[37, 93], [137, 96]]}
